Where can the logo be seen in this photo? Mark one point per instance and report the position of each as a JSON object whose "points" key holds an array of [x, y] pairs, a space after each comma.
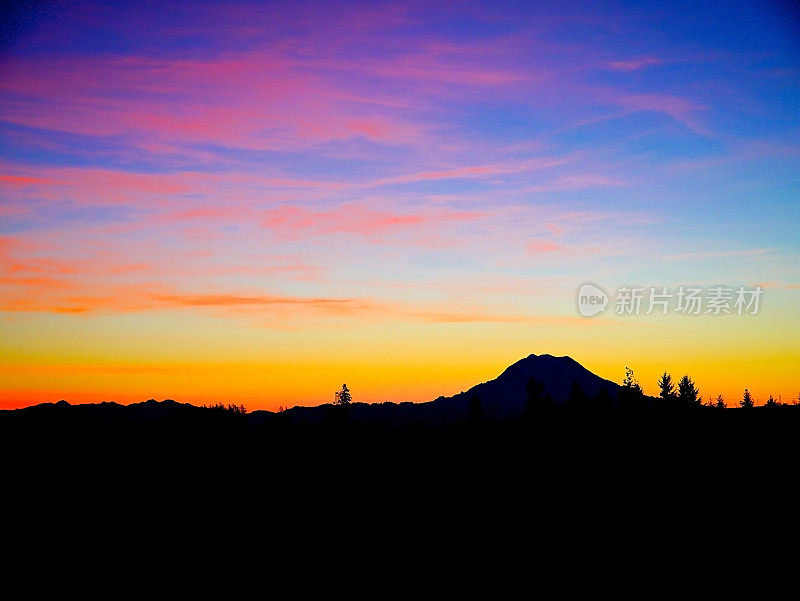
{"points": [[592, 300]]}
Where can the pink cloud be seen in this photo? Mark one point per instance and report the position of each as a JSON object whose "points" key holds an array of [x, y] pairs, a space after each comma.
{"points": [[252, 100], [146, 297], [215, 213], [458, 173], [686, 256], [426, 67], [26, 266], [577, 182], [537, 247], [634, 63], [359, 219], [29, 271], [95, 186], [476, 171], [682, 110], [173, 194], [20, 180]]}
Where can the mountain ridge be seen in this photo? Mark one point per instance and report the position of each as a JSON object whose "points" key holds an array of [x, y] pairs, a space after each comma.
{"points": [[500, 398], [506, 395]]}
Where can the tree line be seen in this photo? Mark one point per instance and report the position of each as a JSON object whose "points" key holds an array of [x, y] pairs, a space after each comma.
{"points": [[685, 393]]}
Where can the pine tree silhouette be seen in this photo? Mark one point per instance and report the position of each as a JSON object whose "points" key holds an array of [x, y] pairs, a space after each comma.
{"points": [[631, 396], [578, 402], [477, 415], [630, 382], [688, 393], [343, 396], [667, 387], [539, 404]]}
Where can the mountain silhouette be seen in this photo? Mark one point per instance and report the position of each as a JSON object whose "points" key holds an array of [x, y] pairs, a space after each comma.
{"points": [[498, 399], [505, 396], [501, 398]]}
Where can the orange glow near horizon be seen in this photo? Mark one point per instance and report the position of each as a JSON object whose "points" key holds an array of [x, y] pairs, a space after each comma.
{"points": [[395, 361]]}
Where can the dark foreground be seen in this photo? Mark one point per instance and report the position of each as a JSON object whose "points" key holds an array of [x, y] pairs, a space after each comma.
{"points": [[180, 480], [169, 441]]}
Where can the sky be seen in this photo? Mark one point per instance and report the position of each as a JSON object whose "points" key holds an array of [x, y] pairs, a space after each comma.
{"points": [[254, 202]]}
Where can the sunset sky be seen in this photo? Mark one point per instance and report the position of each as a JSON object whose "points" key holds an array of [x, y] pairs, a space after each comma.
{"points": [[255, 202]]}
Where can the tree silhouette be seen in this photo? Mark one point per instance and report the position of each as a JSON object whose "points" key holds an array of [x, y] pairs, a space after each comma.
{"points": [[603, 403], [230, 408], [688, 393], [578, 401], [667, 387], [630, 382], [631, 396], [539, 403], [771, 402], [720, 402], [747, 400], [343, 396], [477, 415]]}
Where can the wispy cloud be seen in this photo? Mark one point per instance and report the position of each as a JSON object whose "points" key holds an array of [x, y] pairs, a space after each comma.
{"points": [[357, 218], [577, 182], [128, 299], [537, 247], [721, 254], [634, 64]]}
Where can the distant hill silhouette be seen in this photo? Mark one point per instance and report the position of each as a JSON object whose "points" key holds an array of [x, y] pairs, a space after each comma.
{"points": [[498, 399], [106, 412], [502, 398]]}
